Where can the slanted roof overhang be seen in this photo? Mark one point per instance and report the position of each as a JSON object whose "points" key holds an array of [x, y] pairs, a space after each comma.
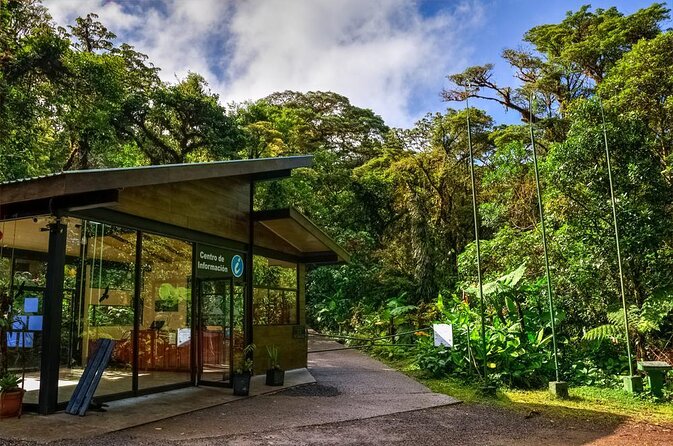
{"points": [[77, 182], [105, 192], [315, 246]]}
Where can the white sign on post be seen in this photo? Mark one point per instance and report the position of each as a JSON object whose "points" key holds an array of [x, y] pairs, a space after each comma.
{"points": [[443, 335]]}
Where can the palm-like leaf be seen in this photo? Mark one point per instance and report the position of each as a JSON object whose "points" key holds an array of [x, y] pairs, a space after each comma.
{"points": [[604, 332]]}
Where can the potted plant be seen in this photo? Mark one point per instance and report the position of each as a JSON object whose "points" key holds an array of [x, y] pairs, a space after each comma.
{"points": [[275, 376], [11, 395], [243, 367]]}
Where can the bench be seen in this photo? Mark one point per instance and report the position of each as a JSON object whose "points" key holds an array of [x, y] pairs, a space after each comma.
{"points": [[656, 374]]}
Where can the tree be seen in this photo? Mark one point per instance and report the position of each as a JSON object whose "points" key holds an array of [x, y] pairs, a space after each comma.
{"points": [[640, 86], [566, 61], [91, 35], [184, 122], [104, 86], [581, 213], [591, 43], [31, 68], [473, 80], [341, 136], [427, 168], [329, 121]]}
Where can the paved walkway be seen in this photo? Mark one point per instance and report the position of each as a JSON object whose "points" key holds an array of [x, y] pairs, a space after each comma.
{"points": [[339, 386], [349, 386], [127, 413]]}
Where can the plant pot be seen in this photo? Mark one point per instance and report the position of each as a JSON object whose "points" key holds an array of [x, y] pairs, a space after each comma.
{"points": [[241, 384], [11, 403], [275, 377]]}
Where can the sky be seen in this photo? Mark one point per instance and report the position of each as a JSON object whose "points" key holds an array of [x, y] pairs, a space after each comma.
{"points": [[391, 56]]}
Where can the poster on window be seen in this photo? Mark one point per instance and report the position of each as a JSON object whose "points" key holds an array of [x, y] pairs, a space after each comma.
{"points": [[184, 336]]}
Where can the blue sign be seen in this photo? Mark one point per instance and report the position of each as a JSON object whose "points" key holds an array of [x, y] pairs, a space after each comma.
{"points": [[35, 323], [213, 262], [30, 304], [237, 266], [20, 323], [19, 340]]}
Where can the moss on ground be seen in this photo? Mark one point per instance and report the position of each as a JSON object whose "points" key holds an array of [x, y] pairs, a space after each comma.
{"points": [[583, 402]]}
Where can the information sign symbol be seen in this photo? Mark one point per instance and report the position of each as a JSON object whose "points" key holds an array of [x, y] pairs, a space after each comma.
{"points": [[237, 265]]}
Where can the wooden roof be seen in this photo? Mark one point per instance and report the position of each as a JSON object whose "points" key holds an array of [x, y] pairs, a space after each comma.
{"points": [[91, 181], [171, 194], [301, 233]]}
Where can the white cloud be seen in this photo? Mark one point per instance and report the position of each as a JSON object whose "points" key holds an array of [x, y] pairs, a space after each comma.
{"points": [[112, 14], [175, 34], [384, 54]]}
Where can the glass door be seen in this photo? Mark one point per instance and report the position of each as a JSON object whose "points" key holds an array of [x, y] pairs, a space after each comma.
{"points": [[216, 313]]}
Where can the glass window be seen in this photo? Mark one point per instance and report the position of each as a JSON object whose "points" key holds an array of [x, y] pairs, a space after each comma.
{"points": [[239, 298], [166, 303], [100, 272], [23, 266], [275, 292]]}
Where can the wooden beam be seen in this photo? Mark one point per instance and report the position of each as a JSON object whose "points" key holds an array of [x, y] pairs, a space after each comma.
{"points": [[113, 217], [325, 257]]}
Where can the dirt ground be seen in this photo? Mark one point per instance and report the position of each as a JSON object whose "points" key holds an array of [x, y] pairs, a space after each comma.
{"points": [[459, 425], [360, 401], [464, 424]]}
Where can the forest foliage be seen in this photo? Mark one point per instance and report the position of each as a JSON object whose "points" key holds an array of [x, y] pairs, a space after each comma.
{"points": [[400, 199]]}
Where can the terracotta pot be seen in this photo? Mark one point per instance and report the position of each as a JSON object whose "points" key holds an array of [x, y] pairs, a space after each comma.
{"points": [[10, 403]]}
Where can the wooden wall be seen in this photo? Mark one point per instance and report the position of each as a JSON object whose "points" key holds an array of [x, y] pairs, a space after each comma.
{"points": [[216, 206], [292, 351]]}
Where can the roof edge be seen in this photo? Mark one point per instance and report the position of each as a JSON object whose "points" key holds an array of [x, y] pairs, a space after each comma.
{"points": [[307, 224], [92, 180]]}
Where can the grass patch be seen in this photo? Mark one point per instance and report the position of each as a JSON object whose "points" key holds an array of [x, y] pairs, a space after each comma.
{"points": [[584, 402]]}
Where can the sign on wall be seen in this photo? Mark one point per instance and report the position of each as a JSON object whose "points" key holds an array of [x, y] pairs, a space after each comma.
{"points": [[218, 263], [237, 266]]}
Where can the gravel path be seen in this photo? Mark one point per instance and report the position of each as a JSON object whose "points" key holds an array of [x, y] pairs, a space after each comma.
{"points": [[458, 425], [360, 401], [451, 425]]}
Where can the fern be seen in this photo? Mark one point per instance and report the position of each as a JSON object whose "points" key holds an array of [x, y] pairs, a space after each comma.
{"points": [[655, 309], [616, 317], [604, 333], [641, 320]]}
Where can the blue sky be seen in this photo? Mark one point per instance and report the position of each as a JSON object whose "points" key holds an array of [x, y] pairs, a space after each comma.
{"points": [[392, 56], [503, 26]]}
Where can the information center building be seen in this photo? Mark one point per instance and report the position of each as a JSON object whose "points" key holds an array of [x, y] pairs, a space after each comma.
{"points": [[172, 262]]}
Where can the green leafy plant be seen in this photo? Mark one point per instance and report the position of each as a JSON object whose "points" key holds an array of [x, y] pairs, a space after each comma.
{"points": [[272, 351], [643, 320], [9, 382], [243, 362], [5, 324], [517, 350], [171, 296]]}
